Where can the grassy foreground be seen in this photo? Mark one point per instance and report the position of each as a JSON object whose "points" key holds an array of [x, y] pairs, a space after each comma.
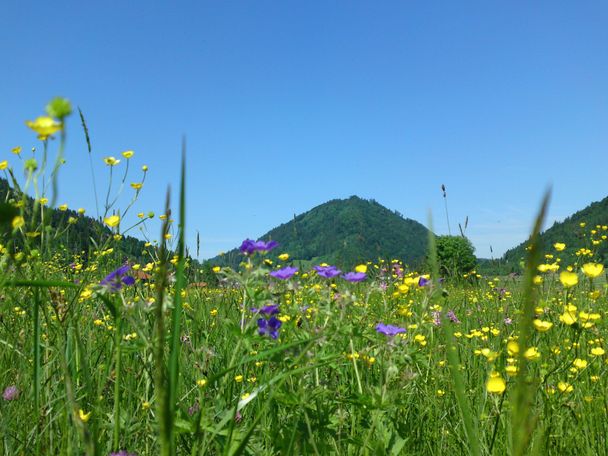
{"points": [[101, 356]]}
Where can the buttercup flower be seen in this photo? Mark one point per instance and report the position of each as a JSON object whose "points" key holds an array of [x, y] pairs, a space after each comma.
{"points": [[111, 161], [559, 246], [112, 221], [593, 270], [44, 126], [496, 384], [568, 279]]}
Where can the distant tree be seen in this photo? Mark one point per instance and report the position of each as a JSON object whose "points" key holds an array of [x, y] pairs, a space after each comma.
{"points": [[208, 276], [455, 255]]}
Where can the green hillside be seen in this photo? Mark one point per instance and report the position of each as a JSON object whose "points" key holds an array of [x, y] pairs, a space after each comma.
{"points": [[345, 232], [572, 234], [82, 229]]}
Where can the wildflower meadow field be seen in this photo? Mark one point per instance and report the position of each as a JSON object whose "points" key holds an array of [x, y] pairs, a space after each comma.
{"points": [[108, 353]]}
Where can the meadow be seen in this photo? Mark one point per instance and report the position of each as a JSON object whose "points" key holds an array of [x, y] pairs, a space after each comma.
{"points": [[102, 355]]}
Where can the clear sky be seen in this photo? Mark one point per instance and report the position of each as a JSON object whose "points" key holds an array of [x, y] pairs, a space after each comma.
{"points": [[288, 104]]}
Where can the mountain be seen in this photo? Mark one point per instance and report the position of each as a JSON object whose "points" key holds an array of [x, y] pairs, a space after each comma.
{"points": [[572, 234], [345, 232]]}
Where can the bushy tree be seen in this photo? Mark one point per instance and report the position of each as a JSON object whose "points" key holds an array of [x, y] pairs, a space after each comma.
{"points": [[455, 255]]}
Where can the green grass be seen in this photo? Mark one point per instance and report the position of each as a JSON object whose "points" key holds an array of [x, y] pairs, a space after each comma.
{"points": [[160, 367]]}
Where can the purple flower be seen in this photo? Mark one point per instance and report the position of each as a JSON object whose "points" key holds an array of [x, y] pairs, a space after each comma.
{"points": [[249, 246], [272, 309], [123, 453], [10, 393], [452, 316], [285, 273], [508, 321], [355, 276], [423, 281], [436, 318], [329, 272], [194, 408], [115, 279], [269, 327], [389, 330]]}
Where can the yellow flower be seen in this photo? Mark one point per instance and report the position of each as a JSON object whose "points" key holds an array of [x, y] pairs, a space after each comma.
{"points": [[84, 417], [3, 164], [496, 384], [512, 348], [16, 150], [565, 387], [238, 378], [532, 354], [593, 270], [568, 318], [128, 154], [216, 269], [361, 268], [597, 351], [136, 185], [511, 370], [81, 210], [568, 279], [440, 393], [45, 126], [201, 382], [542, 326], [18, 222], [403, 288], [63, 207], [537, 280], [559, 246], [112, 221], [144, 168], [284, 256], [111, 161], [579, 363]]}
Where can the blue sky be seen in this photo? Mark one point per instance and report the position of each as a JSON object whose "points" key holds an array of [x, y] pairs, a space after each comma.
{"points": [[288, 104]]}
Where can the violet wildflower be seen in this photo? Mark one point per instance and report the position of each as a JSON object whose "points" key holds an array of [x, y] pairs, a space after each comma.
{"points": [[423, 281], [249, 246], [355, 276], [508, 321], [389, 330], [452, 316], [436, 318], [11, 393], [271, 309], [285, 273], [194, 408], [269, 327], [117, 278], [328, 272]]}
